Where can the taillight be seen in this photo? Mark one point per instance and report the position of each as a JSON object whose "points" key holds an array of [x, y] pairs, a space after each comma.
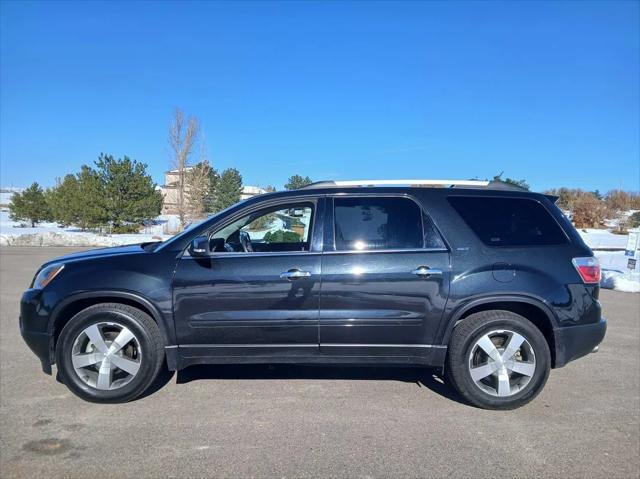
{"points": [[588, 268]]}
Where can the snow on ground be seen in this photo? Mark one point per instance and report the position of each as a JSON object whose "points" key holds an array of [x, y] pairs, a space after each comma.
{"points": [[598, 239], [615, 274], [13, 233], [5, 197]]}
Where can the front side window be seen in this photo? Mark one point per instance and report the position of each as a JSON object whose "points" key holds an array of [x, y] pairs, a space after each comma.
{"points": [[278, 228], [366, 223]]}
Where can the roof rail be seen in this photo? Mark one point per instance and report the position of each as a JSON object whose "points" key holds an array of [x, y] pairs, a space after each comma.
{"points": [[450, 183]]}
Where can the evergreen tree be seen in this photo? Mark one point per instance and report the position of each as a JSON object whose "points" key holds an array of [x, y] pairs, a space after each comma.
{"points": [[297, 181], [79, 200], [130, 196], [210, 197], [63, 201], [228, 189], [30, 205]]}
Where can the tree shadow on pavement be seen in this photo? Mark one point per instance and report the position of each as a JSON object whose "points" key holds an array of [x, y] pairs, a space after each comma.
{"points": [[422, 377]]}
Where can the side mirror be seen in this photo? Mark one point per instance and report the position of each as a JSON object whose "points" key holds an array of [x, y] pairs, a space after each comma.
{"points": [[199, 247]]}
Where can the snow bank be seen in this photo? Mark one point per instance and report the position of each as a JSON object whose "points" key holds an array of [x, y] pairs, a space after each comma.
{"points": [[52, 238], [627, 283], [51, 234], [615, 274]]}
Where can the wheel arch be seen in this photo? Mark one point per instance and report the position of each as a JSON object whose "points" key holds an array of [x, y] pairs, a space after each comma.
{"points": [[533, 309], [72, 305]]}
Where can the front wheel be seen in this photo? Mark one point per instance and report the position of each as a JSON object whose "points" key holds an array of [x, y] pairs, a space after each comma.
{"points": [[109, 353], [498, 360]]}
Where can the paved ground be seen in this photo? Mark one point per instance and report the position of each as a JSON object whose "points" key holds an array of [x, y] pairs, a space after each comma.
{"points": [[312, 421]]}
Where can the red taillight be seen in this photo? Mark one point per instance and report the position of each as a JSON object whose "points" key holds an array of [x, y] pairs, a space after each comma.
{"points": [[588, 268]]}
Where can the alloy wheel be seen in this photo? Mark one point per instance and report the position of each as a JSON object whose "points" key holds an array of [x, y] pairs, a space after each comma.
{"points": [[502, 363], [106, 355]]}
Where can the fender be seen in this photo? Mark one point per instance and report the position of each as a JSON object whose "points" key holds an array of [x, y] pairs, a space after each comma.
{"points": [[455, 316], [165, 330]]}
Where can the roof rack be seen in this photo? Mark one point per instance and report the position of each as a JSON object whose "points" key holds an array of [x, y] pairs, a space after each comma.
{"points": [[449, 183]]}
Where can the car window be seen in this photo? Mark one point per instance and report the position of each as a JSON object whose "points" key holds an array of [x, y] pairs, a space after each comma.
{"points": [[367, 223], [509, 221], [279, 228]]}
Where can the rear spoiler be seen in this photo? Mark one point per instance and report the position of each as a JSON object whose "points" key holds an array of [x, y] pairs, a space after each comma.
{"points": [[552, 198]]}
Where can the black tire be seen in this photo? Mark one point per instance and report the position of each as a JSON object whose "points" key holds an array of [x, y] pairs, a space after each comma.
{"points": [[139, 323], [464, 337]]}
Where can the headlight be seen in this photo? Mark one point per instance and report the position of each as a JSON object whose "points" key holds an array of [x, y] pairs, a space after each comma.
{"points": [[46, 275]]}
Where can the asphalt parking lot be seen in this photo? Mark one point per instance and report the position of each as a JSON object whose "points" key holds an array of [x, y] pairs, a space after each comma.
{"points": [[315, 421]]}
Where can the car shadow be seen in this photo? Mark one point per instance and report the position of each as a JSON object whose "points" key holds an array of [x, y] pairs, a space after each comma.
{"points": [[421, 377]]}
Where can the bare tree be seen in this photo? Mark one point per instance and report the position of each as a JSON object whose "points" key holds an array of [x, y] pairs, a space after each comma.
{"points": [[182, 137]]}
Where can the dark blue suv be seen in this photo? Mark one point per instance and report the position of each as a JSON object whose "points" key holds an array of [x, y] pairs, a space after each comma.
{"points": [[491, 285]]}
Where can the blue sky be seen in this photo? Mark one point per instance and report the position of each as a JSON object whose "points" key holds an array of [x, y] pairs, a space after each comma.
{"points": [[546, 91]]}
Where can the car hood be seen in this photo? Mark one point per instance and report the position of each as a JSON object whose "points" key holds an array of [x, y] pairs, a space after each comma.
{"points": [[98, 253]]}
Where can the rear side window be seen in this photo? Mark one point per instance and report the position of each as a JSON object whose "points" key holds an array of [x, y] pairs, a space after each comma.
{"points": [[509, 221], [365, 223]]}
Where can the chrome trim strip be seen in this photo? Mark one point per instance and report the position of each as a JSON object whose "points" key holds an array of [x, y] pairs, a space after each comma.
{"points": [[437, 346], [314, 345], [255, 254], [408, 250]]}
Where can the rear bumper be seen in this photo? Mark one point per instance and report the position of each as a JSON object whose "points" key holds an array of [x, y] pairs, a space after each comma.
{"points": [[573, 342]]}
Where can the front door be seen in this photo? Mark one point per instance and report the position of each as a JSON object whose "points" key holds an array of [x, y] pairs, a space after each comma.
{"points": [[258, 292], [385, 279]]}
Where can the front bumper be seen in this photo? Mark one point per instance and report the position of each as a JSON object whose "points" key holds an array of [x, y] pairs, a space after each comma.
{"points": [[573, 342], [40, 344], [34, 327]]}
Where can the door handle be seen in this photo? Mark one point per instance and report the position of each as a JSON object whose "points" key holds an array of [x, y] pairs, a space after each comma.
{"points": [[294, 274], [425, 271]]}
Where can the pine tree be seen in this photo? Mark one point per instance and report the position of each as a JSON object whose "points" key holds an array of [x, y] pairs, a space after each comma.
{"points": [[130, 195], [78, 200], [63, 201], [297, 181], [228, 189], [210, 197], [30, 205]]}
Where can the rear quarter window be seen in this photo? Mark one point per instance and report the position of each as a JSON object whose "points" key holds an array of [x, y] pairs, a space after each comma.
{"points": [[509, 221]]}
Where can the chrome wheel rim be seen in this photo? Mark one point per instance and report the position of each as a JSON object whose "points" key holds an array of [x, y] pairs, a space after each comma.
{"points": [[106, 356], [502, 363]]}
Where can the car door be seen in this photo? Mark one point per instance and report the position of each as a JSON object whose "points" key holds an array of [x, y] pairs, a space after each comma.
{"points": [[385, 280], [262, 303]]}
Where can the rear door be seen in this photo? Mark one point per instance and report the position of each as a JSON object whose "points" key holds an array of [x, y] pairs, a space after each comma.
{"points": [[385, 278]]}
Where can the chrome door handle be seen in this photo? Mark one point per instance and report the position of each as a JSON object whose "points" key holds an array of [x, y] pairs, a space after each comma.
{"points": [[425, 271], [293, 274]]}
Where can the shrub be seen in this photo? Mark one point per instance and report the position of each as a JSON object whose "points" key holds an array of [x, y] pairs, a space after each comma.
{"points": [[282, 236], [126, 228], [588, 211]]}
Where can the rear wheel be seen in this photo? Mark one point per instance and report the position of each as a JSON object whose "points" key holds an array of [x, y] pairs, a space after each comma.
{"points": [[109, 353], [498, 360]]}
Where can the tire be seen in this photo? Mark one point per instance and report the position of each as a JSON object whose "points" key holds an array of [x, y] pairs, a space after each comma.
{"points": [[521, 374], [127, 372]]}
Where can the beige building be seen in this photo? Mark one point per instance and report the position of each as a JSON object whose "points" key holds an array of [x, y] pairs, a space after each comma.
{"points": [[170, 192]]}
